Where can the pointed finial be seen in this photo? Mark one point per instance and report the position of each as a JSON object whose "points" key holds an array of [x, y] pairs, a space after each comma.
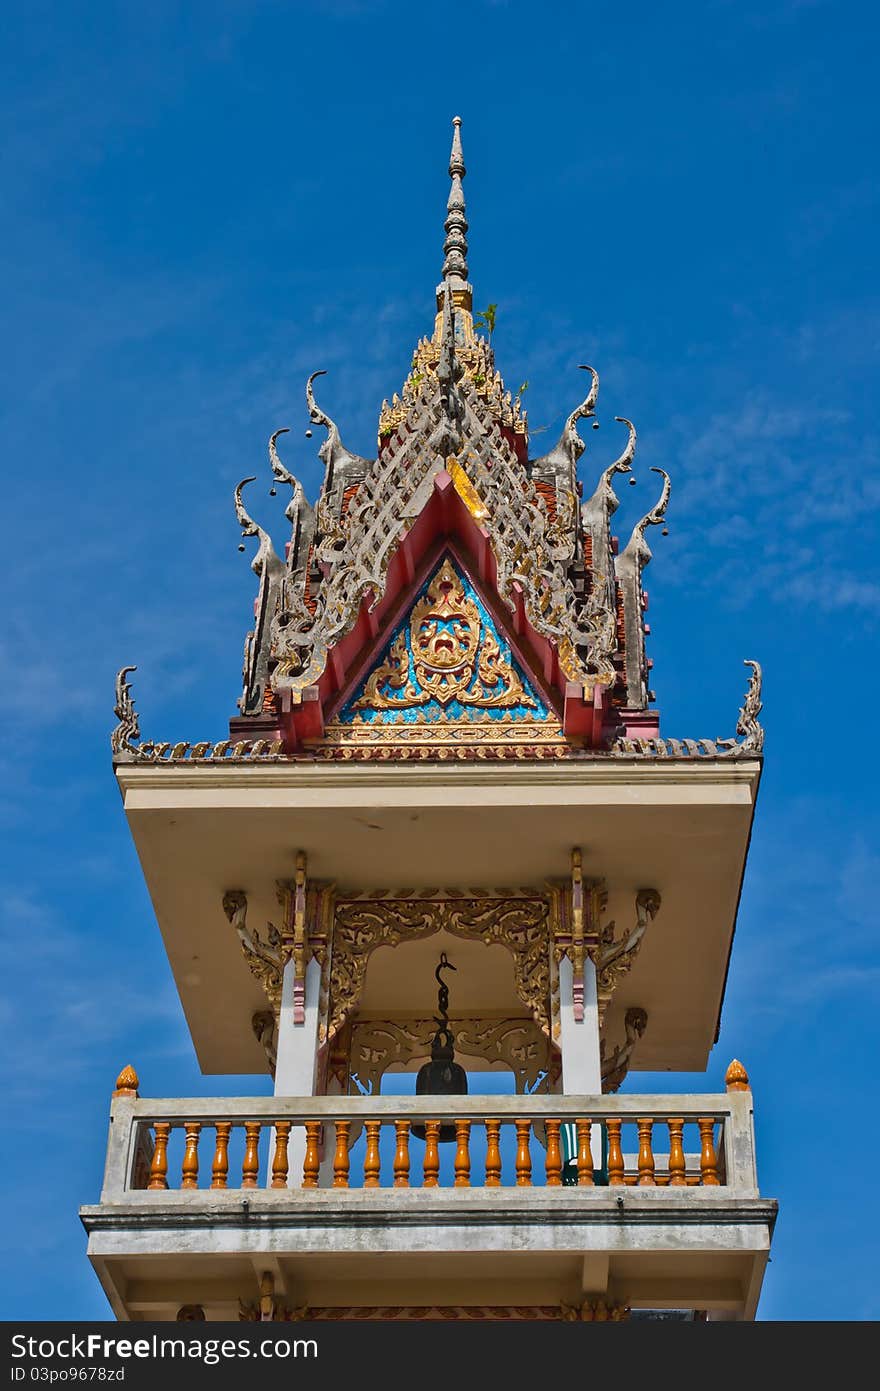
{"points": [[455, 268], [736, 1078], [127, 1082]]}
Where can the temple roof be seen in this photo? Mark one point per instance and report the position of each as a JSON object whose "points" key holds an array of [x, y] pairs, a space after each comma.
{"points": [[452, 484]]}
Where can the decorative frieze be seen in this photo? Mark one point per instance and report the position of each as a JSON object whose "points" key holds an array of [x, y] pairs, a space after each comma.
{"points": [[379, 1044], [270, 1309], [517, 922]]}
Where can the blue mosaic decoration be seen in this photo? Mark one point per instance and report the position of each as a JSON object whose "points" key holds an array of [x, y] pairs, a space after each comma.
{"points": [[446, 663]]}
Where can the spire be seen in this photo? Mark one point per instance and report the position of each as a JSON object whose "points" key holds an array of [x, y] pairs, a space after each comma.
{"points": [[455, 269]]}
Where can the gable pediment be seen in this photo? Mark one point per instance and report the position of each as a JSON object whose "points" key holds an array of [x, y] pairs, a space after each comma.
{"points": [[446, 677]]}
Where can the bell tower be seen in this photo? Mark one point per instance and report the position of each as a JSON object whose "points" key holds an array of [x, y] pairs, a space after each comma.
{"points": [[445, 758]]}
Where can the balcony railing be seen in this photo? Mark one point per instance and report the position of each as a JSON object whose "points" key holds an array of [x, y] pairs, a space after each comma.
{"points": [[298, 1144]]}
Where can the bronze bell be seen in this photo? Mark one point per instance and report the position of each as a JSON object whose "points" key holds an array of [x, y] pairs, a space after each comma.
{"points": [[442, 1076]]}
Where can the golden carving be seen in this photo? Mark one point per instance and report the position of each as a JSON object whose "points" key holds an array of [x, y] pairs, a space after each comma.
{"points": [[519, 924], [475, 355], [594, 1311], [377, 1044], [450, 644], [466, 490], [455, 739]]}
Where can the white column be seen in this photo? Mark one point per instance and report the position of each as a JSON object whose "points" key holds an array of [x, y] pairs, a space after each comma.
{"points": [[581, 1068], [581, 1065], [296, 1054]]}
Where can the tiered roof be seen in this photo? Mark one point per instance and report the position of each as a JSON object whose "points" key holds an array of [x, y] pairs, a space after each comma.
{"points": [[531, 569]]}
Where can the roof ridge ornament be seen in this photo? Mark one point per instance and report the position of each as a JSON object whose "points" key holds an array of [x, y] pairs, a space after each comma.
{"points": [[747, 724], [122, 738], [298, 507], [265, 551], [637, 545], [340, 465], [561, 461], [629, 567]]}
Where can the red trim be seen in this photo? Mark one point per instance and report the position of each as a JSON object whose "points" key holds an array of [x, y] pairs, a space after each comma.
{"points": [[444, 523]]}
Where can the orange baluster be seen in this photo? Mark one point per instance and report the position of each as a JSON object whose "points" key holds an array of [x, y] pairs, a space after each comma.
{"points": [[312, 1161], [553, 1162], [584, 1155], [401, 1155], [190, 1171], [523, 1155], [676, 1154], [431, 1167], [220, 1165], [462, 1154], [159, 1164], [646, 1154], [708, 1161], [493, 1154], [615, 1154], [340, 1158], [372, 1162], [251, 1164], [280, 1161]]}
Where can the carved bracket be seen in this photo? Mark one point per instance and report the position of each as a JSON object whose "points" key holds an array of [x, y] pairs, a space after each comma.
{"points": [[263, 958], [265, 1026], [617, 954], [616, 1065]]}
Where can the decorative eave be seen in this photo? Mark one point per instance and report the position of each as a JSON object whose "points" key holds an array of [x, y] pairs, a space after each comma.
{"points": [[207, 828], [128, 748]]}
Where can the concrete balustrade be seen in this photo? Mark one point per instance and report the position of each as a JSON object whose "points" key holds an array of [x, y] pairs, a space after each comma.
{"points": [[358, 1201], [649, 1142]]}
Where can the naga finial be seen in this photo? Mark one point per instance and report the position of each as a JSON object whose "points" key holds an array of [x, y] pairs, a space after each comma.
{"points": [[623, 463], [570, 440], [333, 453], [747, 725], [598, 510], [265, 550], [637, 542], [283, 474], [128, 729], [561, 462]]}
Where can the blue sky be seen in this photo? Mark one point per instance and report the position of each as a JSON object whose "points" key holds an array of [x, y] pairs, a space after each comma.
{"points": [[205, 202]]}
